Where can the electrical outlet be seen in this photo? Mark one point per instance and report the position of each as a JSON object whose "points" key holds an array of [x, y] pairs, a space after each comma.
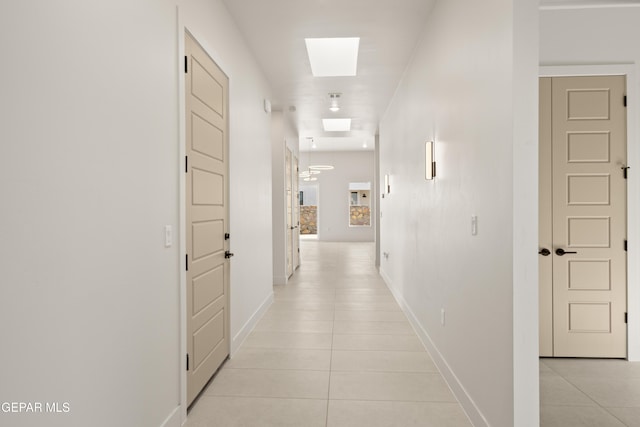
{"points": [[442, 316]]}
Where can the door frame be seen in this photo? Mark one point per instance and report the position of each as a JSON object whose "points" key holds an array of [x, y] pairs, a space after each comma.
{"points": [[288, 214], [295, 185], [633, 185]]}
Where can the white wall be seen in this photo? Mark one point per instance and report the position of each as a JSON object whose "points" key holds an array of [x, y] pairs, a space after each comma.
{"points": [[283, 135], [459, 91], [333, 193], [90, 168], [310, 194], [597, 35], [89, 308], [601, 36]]}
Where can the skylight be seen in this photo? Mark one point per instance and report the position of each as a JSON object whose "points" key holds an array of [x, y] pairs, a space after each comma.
{"points": [[333, 57], [336, 125]]}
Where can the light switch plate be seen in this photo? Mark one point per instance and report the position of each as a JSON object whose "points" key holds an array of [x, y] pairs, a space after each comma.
{"points": [[168, 236], [474, 225]]}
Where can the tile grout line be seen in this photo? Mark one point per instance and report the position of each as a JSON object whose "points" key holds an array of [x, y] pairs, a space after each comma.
{"points": [[614, 416], [598, 405], [583, 392], [333, 327]]}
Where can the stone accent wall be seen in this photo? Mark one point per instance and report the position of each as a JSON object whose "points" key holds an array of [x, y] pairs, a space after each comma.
{"points": [[308, 220], [360, 215]]}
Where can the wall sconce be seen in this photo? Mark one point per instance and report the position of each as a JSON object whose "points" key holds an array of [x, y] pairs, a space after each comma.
{"points": [[387, 186], [429, 163]]}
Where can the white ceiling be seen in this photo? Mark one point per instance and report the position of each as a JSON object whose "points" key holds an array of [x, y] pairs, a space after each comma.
{"points": [[337, 144], [388, 29]]}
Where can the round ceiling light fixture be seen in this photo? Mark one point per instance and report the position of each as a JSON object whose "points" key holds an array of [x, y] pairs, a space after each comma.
{"points": [[308, 173], [321, 167]]}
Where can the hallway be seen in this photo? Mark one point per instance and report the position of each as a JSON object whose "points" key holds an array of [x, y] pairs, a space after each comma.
{"points": [[334, 349]]}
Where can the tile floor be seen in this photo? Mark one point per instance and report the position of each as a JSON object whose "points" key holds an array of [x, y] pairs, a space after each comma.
{"points": [[589, 392], [334, 349]]}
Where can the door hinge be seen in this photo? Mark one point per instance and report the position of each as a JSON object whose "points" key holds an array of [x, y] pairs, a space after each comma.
{"points": [[626, 318], [625, 245], [187, 261], [186, 164], [187, 361], [186, 64], [227, 236], [624, 100]]}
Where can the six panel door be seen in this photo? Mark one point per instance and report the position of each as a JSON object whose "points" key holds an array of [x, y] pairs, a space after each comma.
{"points": [[207, 212], [588, 216]]}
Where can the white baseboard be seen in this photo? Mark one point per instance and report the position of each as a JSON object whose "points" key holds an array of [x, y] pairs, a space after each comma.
{"points": [[467, 403], [173, 420], [280, 280], [246, 329]]}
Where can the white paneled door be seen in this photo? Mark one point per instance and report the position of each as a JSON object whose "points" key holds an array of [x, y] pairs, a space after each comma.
{"points": [[207, 213], [583, 259], [288, 194]]}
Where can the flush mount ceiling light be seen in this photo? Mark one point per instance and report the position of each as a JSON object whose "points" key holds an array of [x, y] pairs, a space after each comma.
{"points": [[333, 57], [334, 106], [336, 125]]}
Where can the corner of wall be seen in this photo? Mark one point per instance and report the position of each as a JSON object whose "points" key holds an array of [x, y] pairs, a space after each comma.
{"points": [[173, 420], [251, 323]]}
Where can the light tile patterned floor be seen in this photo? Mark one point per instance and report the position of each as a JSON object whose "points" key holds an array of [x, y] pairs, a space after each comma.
{"points": [[333, 350], [589, 392]]}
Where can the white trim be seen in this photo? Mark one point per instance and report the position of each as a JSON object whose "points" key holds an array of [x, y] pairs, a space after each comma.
{"points": [[246, 329], [173, 420], [468, 405], [587, 6], [181, 217], [633, 185]]}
